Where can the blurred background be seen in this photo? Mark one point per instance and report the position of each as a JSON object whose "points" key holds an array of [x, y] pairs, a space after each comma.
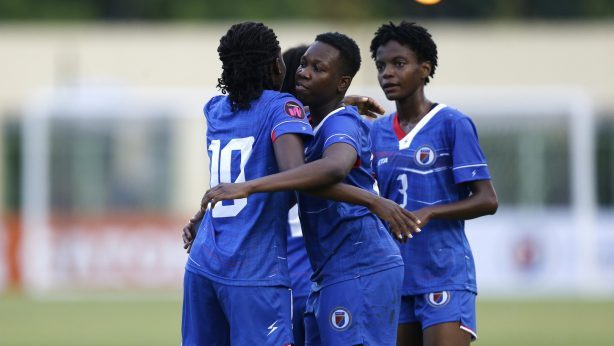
{"points": [[102, 155]]}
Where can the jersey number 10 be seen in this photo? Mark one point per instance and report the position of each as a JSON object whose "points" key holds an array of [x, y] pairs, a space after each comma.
{"points": [[221, 165]]}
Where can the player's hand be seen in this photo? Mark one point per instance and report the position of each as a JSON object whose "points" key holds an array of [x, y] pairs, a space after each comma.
{"points": [[190, 229], [424, 215], [224, 192], [403, 223], [366, 105]]}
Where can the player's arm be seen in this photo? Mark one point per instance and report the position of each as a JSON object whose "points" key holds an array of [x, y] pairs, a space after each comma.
{"points": [[402, 222], [482, 201], [289, 154], [191, 228], [321, 178], [335, 164]]}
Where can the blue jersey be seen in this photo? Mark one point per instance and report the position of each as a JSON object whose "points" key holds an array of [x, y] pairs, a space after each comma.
{"points": [[426, 167], [243, 241], [298, 262], [344, 240]]}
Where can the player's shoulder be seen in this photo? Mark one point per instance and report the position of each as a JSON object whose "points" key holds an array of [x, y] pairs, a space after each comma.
{"points": [[382, 122], [350, 112], [216, 108], [283, 102], [452, 114], [452, 121], [344, 116]]}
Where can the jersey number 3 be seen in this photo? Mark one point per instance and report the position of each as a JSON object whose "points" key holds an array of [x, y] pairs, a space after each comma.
{"points": [[221, 166], [403, 190]]}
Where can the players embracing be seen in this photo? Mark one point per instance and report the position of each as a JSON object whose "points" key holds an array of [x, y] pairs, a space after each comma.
{"points": [[426, 158]]}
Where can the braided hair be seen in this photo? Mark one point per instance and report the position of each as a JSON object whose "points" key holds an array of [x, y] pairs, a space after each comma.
{"points": [[411, 35], [247, 51]]}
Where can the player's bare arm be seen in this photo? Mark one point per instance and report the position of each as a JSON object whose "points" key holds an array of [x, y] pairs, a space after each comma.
{"points": [[190, 229], [334, 166], [402, 222], [482, 201], [366, 105]]}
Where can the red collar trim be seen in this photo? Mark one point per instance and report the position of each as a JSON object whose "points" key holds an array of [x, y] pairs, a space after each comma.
{"points": [[396, 126]]}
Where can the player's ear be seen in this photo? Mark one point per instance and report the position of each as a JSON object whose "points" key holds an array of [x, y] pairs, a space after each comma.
{"points": [[278, 66], [344, 84], [425, 69]]}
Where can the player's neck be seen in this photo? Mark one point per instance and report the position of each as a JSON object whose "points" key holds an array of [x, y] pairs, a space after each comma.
{"points": [[319, 112], [413, 108]]}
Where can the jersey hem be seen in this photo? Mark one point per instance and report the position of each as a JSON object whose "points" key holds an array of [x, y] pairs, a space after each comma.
{"points": [[236, 282], [372, 270], [424, 290]]}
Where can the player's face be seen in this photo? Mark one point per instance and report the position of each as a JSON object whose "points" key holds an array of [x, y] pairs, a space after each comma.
{"points": [[279, 71], [317, 76], [398, 71]]}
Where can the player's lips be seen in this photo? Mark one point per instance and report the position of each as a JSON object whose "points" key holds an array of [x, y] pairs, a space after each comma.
{"points": [[300, 87], [388, 86]]}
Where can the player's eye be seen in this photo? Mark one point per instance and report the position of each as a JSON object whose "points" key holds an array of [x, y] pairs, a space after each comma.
{"points": [[379, 67], [400, 64]]}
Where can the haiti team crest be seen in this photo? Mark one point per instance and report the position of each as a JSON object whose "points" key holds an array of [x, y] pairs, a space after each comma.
{"points": [[424, 156], [437, 299], [340, 319]]}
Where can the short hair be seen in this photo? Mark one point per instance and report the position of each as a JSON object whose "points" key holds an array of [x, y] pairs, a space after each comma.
{"points": [[409, 34], [292, 59], [348, 49], [247, 51]]}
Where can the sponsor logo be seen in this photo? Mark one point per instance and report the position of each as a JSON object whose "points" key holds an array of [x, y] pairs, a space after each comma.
{"points": [[424, 156], [382, 161], [294, 110], [437, 299], [340, 319]]}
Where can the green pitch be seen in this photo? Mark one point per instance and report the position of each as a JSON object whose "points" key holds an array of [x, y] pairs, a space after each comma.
{"points": [[150, 321]]}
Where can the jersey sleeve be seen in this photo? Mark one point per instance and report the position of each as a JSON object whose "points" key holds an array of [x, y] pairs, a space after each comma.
{"points": [[341, 128], [468, 161], [288, 116]]}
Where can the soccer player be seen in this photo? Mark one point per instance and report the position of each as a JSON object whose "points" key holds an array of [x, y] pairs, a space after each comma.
{"points": [[298, 263], [427, 158], [236, 284], [357, 266], [236, 279]]}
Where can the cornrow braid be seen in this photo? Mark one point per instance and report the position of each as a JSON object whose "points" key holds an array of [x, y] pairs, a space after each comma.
{"points": [[247, 51], [412, 35]]}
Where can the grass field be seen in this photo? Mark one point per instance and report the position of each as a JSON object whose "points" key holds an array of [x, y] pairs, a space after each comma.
{"points": [[154, 321]]}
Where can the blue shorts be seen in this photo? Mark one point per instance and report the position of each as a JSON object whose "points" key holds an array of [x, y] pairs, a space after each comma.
{"points": [[364, 310], [218, 314], [440, 307], [298, 322]]}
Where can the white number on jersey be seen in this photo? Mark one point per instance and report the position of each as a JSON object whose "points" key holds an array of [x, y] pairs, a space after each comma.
{"points": [[221, 162], [403, 190]]}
